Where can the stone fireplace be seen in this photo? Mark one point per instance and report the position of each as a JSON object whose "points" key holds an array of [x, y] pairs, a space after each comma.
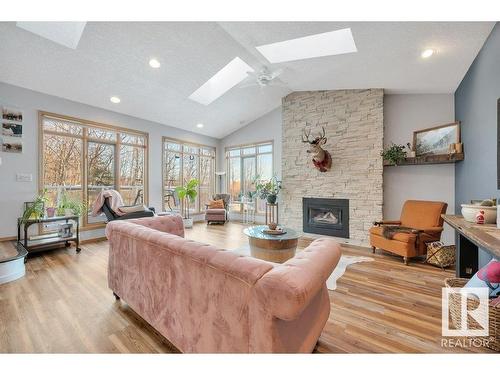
{"points": [[353, 122], [326, 216]]}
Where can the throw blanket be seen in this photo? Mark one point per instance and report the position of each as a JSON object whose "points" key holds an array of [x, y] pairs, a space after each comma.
{"points": [[115, 201], [390, 230]]}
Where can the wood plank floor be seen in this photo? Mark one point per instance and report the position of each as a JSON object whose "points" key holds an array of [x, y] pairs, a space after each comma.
{"points": [[63, 305]]}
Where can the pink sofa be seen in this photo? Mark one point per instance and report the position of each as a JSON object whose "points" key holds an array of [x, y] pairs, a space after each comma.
{"points": [[207, 300]]}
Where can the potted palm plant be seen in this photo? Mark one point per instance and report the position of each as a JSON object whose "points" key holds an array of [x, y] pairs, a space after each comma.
{"points": [[187, 194]]}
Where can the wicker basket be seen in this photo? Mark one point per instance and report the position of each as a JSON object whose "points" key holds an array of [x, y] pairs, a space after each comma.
{"points": [[440, 255], [494, 313]]}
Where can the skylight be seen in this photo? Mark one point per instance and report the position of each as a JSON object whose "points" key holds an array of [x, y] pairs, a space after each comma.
{"points": [[67, 34], [224, 80], [326, 44]]}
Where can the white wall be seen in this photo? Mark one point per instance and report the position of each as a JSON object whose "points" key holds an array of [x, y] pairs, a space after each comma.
{"points": [[402, 115], [265, 128], [13, 194]]}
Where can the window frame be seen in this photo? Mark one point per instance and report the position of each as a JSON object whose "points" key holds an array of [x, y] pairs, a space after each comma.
{"points": [[84, 165], [181, 152], [242, 156]]}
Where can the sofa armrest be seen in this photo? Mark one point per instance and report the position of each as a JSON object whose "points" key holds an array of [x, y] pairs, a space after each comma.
{"points": [[386, 222], [286, 290]]}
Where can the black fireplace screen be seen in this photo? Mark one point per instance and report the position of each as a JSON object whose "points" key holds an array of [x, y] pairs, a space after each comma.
{"points": [[326, 216]]}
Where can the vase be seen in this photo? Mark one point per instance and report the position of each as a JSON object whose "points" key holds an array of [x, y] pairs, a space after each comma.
{"points": [[188, 223], [271, 198]]}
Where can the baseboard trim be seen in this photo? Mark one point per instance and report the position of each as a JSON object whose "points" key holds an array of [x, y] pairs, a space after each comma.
{"points": [[5, 239], [93, 240]]}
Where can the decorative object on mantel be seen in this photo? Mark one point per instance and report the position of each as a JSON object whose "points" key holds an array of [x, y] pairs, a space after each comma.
{"points": [[322, 160], [395, 154], [487, 207], [436, 140]]}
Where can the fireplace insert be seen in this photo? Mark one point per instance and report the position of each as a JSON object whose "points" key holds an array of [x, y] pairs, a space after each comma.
{"points": [[326, 216]]}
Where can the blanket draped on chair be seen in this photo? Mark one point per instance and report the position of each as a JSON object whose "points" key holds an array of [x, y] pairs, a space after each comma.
{"points": [[390, 230]]}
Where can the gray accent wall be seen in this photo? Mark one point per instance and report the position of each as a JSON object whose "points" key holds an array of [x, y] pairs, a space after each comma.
{"points": [[476, 109]]}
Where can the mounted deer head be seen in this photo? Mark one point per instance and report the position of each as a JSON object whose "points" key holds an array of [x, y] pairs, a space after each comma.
{"points": [[322, 159]]}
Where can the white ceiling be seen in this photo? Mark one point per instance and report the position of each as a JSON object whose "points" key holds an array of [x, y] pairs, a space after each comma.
{"points": [[112, 59]]}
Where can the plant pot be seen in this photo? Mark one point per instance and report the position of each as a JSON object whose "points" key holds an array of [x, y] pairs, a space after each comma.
{"points": [[188, 223], [271, 198], [51, 211]]}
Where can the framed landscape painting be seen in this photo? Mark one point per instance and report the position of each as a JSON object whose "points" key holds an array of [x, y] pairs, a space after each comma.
{"points": [[436, 140]]}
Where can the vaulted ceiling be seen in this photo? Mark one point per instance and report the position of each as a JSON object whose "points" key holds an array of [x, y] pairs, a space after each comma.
{"points": [[112, 59]]}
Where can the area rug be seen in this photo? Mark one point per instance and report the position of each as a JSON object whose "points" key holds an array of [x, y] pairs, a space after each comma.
{"points": [[331, 283]]}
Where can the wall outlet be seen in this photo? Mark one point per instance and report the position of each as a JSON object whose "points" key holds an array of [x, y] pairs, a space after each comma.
{"points": [[24, 177]]}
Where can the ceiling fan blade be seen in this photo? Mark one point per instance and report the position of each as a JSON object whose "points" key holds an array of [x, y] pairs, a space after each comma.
{"points": [[248, 84], [276, 73]]}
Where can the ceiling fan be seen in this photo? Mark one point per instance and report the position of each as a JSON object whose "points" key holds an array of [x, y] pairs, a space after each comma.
{"points": [[263, 78]]}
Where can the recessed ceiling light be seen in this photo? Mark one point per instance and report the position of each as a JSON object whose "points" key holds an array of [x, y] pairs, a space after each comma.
{"points": [[153, 63], [115, 99], [326, 44], [224, 80], [427, 53], [199, 125]]}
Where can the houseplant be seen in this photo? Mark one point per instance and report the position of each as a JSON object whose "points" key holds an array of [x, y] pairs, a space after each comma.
{"points": [[187, 194], [35, 209], [67, 206], [268, 189], [394, 154]]}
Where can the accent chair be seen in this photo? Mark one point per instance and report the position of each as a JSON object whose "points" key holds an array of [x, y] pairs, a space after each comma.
{"points": [[420, 223], [218, 215]]}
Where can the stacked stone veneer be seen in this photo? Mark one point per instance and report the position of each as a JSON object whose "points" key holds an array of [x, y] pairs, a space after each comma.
{"points": [[353, 120]]}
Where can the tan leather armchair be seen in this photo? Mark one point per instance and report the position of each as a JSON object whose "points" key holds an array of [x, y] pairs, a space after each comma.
{"points": [[424, 219]]}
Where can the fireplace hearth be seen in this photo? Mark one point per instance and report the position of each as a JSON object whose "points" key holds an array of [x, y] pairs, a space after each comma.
{"points": [[326, 216]]}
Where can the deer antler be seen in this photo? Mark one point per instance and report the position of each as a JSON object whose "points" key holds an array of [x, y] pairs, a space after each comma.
{"points": [[308, 134], [321, 135]]}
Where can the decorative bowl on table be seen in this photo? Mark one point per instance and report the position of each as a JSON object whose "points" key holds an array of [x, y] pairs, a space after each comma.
{"points": [[469, 212]]}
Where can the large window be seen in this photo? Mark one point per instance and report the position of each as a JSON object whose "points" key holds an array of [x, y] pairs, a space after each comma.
{"points": [[80, 158], [183, 162], [244, 165]]}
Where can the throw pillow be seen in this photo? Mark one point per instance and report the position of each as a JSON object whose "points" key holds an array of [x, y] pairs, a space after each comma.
{"points": [[487, 277], [216, 204]]}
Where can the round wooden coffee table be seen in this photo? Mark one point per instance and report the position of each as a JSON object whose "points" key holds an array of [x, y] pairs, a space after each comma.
{"points": [[273, 248]]}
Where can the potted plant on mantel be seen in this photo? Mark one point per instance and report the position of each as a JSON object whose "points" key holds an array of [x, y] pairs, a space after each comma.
{"points": [[187, 194], [395, 154], [268, 189]]}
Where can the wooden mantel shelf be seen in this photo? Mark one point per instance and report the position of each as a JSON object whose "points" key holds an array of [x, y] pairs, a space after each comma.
{"points": [[429, 159], [486, 236]]}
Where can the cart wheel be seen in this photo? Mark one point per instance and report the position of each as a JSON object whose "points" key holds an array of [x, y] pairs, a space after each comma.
{"points": [[78, 249], [66, 244]]}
